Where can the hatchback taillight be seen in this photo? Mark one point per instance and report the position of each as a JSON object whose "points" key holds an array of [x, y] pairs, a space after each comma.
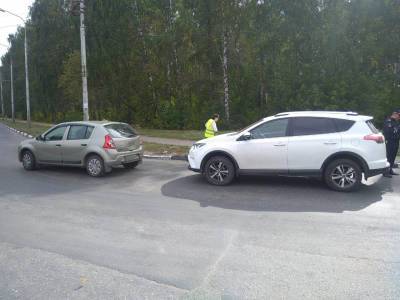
{"points": [[378, 138], [108, 142]]}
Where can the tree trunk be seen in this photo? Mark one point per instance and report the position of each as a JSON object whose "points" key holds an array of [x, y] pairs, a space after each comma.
{"points": [[225, 73]]}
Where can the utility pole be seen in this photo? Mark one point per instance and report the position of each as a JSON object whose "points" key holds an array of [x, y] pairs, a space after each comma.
{"points": [[12, 91], [85, 96], [28, 103]]}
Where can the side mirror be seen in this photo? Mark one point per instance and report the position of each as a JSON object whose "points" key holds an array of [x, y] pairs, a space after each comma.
{"points": [[40, 138], [245, 137]]}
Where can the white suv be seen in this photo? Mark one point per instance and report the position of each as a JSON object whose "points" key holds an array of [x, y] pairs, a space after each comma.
{"points": [[336, 146]]}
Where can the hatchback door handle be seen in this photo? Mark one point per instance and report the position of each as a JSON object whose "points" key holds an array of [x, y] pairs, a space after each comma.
{"points": [[279, 145], [330, 143], [84, 145], [58, 145]]}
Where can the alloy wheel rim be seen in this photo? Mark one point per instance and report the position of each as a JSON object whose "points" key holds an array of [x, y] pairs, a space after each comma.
{"points": [[344, 176], [218, 171], [27, 159], [94, 166]]}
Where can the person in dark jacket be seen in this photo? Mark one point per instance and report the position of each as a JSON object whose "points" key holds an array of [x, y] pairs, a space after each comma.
{"points": [[391, 131]]}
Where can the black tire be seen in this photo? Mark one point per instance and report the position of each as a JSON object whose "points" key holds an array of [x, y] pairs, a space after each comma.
{"points": [[131, 165], [219, 170], [95, 166], [28, 160], [343, 175]]}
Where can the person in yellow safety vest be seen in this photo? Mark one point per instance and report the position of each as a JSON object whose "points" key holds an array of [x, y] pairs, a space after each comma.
{"points": [[211, 126]]}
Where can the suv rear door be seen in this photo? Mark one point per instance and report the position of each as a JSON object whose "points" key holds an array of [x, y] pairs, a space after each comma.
{"points": [[311, 141]]}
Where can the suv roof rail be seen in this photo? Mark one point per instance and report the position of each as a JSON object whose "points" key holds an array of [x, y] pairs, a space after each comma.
{"points": [[352, 113], [281, 114]]}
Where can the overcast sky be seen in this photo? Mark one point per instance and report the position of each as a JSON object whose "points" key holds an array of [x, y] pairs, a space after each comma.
{"points": [[8, 23]]}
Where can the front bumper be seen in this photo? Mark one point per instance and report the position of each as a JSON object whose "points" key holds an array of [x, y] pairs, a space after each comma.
{"points": [[194, 169]]}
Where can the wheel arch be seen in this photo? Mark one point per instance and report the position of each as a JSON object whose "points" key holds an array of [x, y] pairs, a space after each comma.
{"points": [[23, 150], [90, 153], [347, 155], [218, 153]]}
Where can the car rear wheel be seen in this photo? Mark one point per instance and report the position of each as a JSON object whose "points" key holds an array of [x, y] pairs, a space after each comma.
{"points": [[95, 166], [131, 165], [28, 160], [219, 170], [343, 175]]}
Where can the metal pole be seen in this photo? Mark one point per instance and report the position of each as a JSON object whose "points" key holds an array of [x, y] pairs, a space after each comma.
{"points": [[28, 104], [85, 95], [12, 91], [28, 107], [1, 93]]}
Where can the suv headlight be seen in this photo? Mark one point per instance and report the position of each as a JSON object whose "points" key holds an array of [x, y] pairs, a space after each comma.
{"points": [[197, 146]]}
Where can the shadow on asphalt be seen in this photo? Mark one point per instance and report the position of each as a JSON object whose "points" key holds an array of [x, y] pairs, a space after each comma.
{"points": [[59, 180], [280, 194]]}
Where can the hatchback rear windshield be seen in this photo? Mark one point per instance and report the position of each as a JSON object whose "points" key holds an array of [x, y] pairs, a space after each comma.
{"points": [[120, 130], [372, 126]]}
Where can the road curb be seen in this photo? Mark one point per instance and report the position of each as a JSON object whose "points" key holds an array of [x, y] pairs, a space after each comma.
{"points": [[20, 132], [147, 156]]}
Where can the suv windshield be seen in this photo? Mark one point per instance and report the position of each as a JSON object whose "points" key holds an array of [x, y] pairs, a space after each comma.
{"points": [[120, 130]]}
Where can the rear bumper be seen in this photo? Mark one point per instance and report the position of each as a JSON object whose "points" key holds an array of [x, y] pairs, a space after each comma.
{"points": [[117, 159], [375, 172]]}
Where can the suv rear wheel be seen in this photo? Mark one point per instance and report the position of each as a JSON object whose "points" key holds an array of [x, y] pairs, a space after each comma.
{"points": [[343, 175], [219, 170], [95, 166]]}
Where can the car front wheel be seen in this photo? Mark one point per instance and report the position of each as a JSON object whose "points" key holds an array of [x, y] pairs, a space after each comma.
{"points": [[219, 170], [28, 160], [95, 166], [343, 175]]}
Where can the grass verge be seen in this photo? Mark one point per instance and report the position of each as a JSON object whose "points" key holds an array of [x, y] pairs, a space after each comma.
{"points": [[192, 135], [161, 149], [35, 129]]}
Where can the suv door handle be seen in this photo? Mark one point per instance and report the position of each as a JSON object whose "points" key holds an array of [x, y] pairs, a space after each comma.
{"points": [[279, 145], [330, 143], [58, 145], [84, 145]]}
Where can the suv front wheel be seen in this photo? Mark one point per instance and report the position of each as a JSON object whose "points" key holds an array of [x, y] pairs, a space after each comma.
{"points": [[219, 170], [343, 175]]}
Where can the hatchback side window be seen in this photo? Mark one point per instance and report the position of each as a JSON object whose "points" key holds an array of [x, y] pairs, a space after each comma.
{"points": [[271, 129], [79, 132], [56, 134], [312, 126]]}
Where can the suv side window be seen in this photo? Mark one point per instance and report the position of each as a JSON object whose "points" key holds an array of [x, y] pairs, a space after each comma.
{"points": [[56, 134], [79, 132], [270, 129], [311, 126], [343, 124]]}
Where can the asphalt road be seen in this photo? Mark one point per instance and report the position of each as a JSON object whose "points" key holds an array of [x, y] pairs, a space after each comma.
{"points": [[161, 232]]}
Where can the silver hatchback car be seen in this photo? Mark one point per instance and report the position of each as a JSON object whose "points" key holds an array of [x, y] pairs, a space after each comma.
{"points": [[96, 146]]}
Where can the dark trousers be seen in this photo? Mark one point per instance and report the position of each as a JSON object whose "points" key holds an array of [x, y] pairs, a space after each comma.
{"points": [[392, 146]]}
